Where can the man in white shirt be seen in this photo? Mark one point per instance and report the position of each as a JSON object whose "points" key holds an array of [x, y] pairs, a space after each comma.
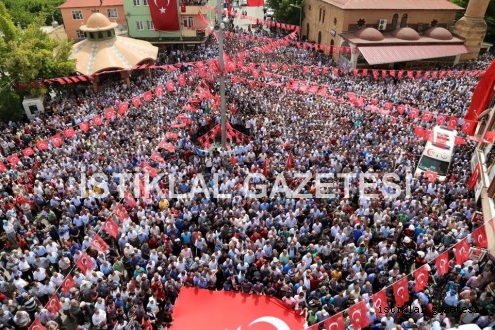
{"points": [[99, 317]]}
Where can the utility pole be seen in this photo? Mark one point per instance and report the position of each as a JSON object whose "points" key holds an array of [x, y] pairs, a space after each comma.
{"points": [[221, 63]]}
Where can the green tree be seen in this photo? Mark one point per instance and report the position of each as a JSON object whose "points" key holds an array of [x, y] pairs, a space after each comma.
{"points": [[26, 12], [286, 13], [489, 17], [26, 56]]}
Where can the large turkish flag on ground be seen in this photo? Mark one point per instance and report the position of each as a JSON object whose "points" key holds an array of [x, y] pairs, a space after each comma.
{"points": [[164, 15], [239, 311]]}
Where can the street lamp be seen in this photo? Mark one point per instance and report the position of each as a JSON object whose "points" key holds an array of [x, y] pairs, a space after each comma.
{"points": [[221, 63], [300, 20]]}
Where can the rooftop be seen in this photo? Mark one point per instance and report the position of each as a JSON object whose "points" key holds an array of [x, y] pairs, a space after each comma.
{"points": [[394, 4], [90, 3]]}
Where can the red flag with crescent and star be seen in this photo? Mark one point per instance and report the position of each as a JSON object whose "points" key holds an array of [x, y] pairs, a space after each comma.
{"points": [[239, 311], [380, 302], [335, 322], [430, 175], [54, 304], [421, 276], [99, 244], [28, 152], [42, 145], [479, 237], [120, 211], [111, 227], [358, 314], [442, 263], [36, 325], [67, 284], [57, 140], [164, 15], [129, 199], [401, 291], [462, 252], [85, 263]]}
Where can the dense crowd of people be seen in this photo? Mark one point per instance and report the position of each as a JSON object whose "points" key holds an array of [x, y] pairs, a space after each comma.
{"points": [[317, 255]]}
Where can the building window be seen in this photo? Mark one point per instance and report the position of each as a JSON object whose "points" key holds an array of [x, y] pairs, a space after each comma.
{"points": [[94, 11], [77, 15], [112, 13], [323, 19], [137, 2], [187, 22], [109, 34], [80, 34], [395, 20], [150, 25], [321, 11], [403, 21], [100, 35], [139, 25], [145, 3]]}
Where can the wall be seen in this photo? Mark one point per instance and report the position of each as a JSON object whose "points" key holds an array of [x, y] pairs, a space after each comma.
{"points": [[142, 13], [72, 25]]}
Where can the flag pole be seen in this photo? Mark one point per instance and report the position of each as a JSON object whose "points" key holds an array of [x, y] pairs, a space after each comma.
{"points": [[221, 63]]}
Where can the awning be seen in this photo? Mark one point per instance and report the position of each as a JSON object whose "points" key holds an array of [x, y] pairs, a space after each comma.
{"points": [[397, 53]]}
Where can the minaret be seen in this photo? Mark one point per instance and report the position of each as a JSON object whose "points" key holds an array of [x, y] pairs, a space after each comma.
{"points": [[472, 27]]}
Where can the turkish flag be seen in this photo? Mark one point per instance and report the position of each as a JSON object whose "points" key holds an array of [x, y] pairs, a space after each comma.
{"points": [[84, 126], [13, 159], [400, 108], [171, 135], [42, 145], [3, 167], [67, 284], [166, 146], [335, 322], [57, 140], [69, 132], [265, 167], [442, 263], [441, 119], [290, 161], [468, 127], [479, 237], [380, 302], [426, 117], [239, 311], [150, 170], [164, 15], [388, 105], [36, 325], [459, 140], [413, 113], [430, 175], [123, 107], [170, 86], [111, 227], [99, 244], [85, 263], [120, 211], [159, 91], [462, 252], [474, 177], [157, 157], [96, 120], [419, 131], [453, 121], [421, 275], [21, 200], [129, 199], [358, 314], [54, 304], [136, 101], [110, 114], [401, 291], [28, 152], [148, 96]]}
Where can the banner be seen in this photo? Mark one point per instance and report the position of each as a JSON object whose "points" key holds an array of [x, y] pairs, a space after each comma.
{"points": [[239, 311], [164, 15]]}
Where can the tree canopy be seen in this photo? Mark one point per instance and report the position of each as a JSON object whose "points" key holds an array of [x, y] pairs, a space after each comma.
{"points": [[489, 17], [26, 12], [285, 13], [28, 55]]}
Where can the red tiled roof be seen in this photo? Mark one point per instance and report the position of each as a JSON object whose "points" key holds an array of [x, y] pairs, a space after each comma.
{"points": [[391, 54], [90, 3], [394, 4]]}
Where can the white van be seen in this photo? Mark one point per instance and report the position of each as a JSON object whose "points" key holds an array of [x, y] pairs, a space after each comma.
{"points": [[438, 153]]}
